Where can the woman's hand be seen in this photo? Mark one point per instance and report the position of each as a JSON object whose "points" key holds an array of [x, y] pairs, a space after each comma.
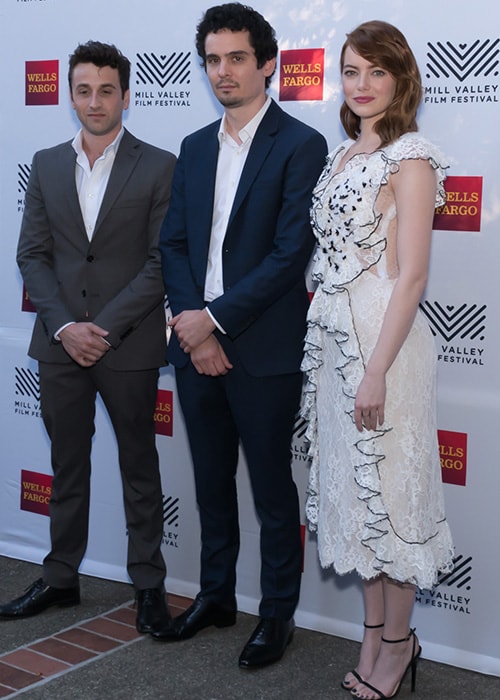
{"points": [[370, 402]]}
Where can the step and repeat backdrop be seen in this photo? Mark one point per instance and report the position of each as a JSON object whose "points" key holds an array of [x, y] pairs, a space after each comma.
{"points": [[458, 54]]}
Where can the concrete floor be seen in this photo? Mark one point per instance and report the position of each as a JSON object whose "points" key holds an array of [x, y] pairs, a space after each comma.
{"points": [[205, 667]]}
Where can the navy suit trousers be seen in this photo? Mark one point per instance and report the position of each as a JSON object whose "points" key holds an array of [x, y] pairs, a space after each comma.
{"points": [[259, 412]]}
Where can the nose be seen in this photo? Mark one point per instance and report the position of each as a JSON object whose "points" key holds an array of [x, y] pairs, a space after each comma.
{"points": [[223, 68], [94, 99], [363, 81]]}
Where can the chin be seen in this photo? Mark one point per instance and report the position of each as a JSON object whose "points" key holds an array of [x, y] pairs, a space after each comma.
{"points": [[230, 101]]}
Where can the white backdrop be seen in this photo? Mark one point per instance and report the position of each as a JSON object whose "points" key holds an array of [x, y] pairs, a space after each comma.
{"points": [[457, 52]]}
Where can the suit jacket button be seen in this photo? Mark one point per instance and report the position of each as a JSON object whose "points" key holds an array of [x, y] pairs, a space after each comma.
{"points": [[90, 258]]}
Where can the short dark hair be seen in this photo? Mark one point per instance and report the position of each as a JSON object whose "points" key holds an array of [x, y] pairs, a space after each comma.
{"points": [[101, 55], [386, 47], [239, 18]]}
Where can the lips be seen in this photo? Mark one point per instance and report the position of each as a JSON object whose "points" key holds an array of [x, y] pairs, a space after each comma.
{"points": [[363, 100]]}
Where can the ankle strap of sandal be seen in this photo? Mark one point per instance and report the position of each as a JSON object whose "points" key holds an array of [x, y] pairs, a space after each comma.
{"points": [[372, 627], [411, 634]]}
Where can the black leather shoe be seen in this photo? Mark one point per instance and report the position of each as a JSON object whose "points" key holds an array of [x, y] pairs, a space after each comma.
{"points": [[268, 642], [202, 613], [152, 611], [38, 597]]}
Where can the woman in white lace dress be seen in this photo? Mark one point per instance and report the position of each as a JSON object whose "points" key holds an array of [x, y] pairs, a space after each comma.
{"points": [[375, 495]]}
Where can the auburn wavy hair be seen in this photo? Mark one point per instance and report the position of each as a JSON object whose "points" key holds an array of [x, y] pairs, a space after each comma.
{"points": [[386, 47]]}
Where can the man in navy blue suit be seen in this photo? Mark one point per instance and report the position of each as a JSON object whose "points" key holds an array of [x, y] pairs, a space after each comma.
{"points": [[235, 245]]}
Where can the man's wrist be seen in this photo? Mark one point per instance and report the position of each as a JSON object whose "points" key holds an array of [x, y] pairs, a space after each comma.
{"points": [[214, 320], [58, 333]]}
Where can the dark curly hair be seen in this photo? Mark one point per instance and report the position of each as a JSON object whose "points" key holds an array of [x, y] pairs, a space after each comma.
{"points": [[386, 47], [239, 18], [101, 55]]}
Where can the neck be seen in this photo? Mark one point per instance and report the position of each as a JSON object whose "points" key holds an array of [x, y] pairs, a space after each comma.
{"points": [[238, 117], [368, 138], [94, 146]]}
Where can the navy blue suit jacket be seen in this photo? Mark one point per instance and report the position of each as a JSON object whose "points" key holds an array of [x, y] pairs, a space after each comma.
{"points": [[267, 245]]}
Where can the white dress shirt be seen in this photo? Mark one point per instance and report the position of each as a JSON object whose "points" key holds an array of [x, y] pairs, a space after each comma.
{"points": [[91, 185], [230, 163]]}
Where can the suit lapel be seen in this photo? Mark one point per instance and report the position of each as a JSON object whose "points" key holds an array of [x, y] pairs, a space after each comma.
{"points": [[260, 147], [125, 161], [65, 176]]}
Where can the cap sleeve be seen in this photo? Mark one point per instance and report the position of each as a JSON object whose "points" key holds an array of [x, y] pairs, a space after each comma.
{"points": [[414, 146]]}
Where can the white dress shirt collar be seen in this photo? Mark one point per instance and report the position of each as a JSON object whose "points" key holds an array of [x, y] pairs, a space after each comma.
{"points": [[248, 131], [77, 144]]}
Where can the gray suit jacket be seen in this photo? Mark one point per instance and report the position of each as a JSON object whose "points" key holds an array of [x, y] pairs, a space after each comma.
{"points": [[113, 280]]}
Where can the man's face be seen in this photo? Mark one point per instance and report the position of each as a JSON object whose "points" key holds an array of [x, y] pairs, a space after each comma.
{"points": [[96, 97], [231, 68]]}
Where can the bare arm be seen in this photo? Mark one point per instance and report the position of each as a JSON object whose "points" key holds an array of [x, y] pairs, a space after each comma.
{"points": [[415, 190]]}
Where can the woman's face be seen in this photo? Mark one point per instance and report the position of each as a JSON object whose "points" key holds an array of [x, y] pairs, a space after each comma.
{"points": [[368, 89]]}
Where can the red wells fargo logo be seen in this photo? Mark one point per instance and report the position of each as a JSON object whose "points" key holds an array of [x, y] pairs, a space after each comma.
{"points": [[462, 211], [42, 82], [36, 490], [164, 413], [302, 74], [453, 454]]}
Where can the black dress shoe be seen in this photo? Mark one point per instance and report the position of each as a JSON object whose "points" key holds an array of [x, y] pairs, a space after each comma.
{"points": [[38, 597], [152, 611], [203, 612], [268, 642]]}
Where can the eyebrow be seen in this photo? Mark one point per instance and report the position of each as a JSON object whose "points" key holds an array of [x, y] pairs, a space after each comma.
{"points": [[230, 53], [352, 65], [102, 85]]}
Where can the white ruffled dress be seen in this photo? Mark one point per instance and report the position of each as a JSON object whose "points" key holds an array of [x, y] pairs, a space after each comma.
{"points": [[375, 498]]}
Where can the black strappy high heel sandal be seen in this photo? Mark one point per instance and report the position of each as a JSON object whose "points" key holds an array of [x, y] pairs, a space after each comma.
{"points": [[356, 675], [412, 664]]}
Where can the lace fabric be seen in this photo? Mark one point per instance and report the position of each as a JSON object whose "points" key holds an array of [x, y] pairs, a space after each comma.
{"points": [[375, 498]]}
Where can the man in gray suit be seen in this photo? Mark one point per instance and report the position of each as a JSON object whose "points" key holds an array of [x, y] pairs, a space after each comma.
{"points": [[89, 258]]}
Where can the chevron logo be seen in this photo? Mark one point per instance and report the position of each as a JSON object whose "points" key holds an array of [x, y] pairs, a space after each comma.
{"points": [[460, 576], [450, 321], [27, 383], [174, 68], [23, 173], [481, 58], [171, 511], [300, 427]]}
